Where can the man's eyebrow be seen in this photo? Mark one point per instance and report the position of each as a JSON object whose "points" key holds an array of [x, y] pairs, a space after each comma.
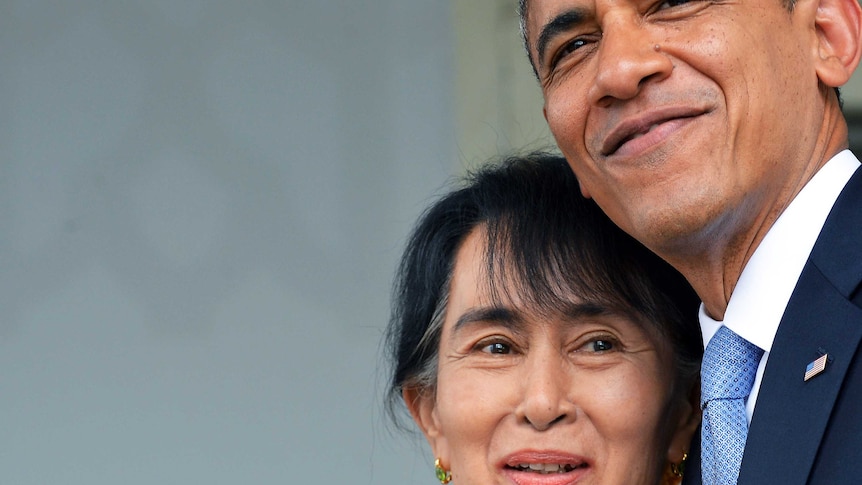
{"points": [[495, 314], [559, 24]]}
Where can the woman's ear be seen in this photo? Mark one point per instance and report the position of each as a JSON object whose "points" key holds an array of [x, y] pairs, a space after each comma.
{"points": [[838, 27], [422, 406], [688, 420]]}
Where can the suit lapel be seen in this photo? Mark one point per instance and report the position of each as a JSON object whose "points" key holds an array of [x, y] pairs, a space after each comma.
{"points": [[791, 414]]}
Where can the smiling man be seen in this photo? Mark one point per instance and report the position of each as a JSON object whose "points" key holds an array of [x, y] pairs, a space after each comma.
{"points": [[711, 130]]}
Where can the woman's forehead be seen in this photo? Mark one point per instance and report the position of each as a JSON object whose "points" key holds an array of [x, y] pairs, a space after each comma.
{"points": [[487, 271]]}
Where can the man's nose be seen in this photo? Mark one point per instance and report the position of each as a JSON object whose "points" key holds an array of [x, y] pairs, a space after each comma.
{"points": [[628, 57]]}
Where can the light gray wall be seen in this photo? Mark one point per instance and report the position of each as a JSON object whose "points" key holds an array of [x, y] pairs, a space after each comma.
{"points": [[201, 206], [499, 101]]}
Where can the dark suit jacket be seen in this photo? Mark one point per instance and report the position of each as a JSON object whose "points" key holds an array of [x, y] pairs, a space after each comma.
{"points": [[811, 432]]}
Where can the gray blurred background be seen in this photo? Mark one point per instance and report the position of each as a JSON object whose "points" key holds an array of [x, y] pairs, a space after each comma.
{"points": [[201, 207]]}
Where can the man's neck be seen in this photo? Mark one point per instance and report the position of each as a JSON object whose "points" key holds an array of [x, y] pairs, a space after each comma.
{"points": [[714, 271], [713, 260], [713, 274]]}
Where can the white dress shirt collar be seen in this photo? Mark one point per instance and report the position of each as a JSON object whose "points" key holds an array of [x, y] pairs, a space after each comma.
{"points": [[768, 279], [760, 297]]}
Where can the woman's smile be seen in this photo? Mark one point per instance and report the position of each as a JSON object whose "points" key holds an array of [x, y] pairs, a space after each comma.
{"points": [[530, 467]]}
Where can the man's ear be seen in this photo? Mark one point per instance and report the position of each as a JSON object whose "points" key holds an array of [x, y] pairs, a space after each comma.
{"points": [[689, 416], [838, 26], [422, 406]]}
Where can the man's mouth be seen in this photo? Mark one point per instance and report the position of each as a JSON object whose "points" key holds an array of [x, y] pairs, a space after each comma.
{"points": [[640, 134], [624, 135], [632, 129]]}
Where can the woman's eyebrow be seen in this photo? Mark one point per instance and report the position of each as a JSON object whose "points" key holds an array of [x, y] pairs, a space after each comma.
{"points": [[578, 310], [512, 320], [494, 314], [560, 24]]}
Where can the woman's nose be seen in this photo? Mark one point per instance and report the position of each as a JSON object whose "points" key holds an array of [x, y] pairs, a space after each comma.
{"points": [[628, 56], [545, 395]]}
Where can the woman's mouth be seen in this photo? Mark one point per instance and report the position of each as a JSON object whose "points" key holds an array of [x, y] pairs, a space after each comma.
{"points": [[546, 468]]}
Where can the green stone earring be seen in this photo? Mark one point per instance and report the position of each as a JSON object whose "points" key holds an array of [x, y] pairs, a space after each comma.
{"points": [[442, 474]]}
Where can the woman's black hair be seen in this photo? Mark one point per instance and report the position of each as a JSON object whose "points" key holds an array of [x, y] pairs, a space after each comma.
{"points": [[544, 243]]}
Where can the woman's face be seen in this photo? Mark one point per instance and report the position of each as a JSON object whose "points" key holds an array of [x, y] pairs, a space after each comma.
{"points": [[582, 397]]}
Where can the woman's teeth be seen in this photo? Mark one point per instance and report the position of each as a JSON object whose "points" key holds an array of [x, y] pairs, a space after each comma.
{"points": [[545, 467]]}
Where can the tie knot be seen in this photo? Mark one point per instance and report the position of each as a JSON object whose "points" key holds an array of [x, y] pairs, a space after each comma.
{"points": [[729, 366]]}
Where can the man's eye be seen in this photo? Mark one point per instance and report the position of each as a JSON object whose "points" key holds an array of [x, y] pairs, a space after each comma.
{"points": [[672, 3], [567, 49], [497, 348]]}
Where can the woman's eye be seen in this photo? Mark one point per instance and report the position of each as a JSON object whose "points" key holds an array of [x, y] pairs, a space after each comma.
{"points": [[497, 348], [601, 345]]}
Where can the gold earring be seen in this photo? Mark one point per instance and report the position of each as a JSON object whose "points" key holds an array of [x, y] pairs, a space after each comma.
{"points": [[679, 469], [442, 474]]}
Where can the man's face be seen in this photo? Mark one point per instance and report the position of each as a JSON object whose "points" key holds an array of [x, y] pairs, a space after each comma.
{"points": [[683, 120]]}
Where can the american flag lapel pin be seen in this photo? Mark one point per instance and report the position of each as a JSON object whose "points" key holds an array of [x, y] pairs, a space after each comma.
{"points": [[816, 367]]}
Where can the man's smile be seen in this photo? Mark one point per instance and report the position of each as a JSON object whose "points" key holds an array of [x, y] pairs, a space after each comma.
{"points": [[639, 133]]}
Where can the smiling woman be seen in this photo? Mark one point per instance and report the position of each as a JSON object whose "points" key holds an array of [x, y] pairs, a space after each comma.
{"points": [[534, 343]]}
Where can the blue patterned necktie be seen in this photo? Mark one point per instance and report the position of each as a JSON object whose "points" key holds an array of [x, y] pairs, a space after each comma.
{"points": [[729, 366]]}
